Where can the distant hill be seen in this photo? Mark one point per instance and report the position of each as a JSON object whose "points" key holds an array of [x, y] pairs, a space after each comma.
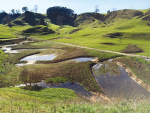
{"points": [[92, 19], [123, 14], [87, 18], [146, 16], [30, 18]]}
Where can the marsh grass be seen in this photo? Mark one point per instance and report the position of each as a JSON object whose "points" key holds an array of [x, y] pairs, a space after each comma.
{"points": [[74, 52], [8, 71], [57, 80], [64, 72], [15, 58]]}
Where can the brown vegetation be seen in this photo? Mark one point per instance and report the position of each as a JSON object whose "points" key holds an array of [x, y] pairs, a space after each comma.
{"points": [[77, 72], [132, 49]]}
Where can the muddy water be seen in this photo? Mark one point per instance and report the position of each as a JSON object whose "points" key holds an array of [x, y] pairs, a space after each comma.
{"points": [[116, 83]]}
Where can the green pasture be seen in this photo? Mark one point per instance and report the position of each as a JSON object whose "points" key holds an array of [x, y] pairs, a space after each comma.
{"points": [[19, 100], [8, 32], [136, 32], [61, 100]]}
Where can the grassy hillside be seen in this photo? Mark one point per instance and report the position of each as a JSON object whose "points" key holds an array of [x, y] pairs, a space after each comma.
{"points": [[18, 100], [87, 18], [135, 31], [37, 30], [28, 18]]}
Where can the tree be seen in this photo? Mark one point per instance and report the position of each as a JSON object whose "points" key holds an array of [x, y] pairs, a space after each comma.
{"points": [[60, 19], [35, 8], [18, 11], [42, 21], [96, 9], [24, 9], [7, 19], [3, 14], [13, 11], [108, 11], [58, 10]]}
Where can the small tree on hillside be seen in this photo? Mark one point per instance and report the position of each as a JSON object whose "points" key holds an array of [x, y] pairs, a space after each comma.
{"points": [[108, 12], [13, 11], [42, 21], [35, 8], [18, 11], [24, 9], [60, 19], [96, 9]]}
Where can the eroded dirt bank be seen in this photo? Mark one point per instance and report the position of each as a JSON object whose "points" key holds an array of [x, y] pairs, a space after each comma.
{"points": [[131, 74]]}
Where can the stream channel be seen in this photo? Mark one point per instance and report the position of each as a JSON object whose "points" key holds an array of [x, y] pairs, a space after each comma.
{"points": [[113, 79]]}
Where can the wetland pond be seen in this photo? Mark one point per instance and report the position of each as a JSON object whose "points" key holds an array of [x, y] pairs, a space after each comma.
{"points": [[33, 58], [113, 79], [116, 83]]}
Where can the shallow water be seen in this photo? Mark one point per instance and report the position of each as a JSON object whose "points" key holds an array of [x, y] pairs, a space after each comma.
{"points": [[147, 59], [38, 57], [8, 49], [117, 83], [76, 87], [83, 59]]}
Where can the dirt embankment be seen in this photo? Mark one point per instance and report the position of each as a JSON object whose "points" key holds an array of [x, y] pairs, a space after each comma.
{"points": [[132, 76]]}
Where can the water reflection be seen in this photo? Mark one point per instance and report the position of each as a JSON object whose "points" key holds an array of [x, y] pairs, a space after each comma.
{"points": [[83, 59], [39, 57], [116, 83], [76, 87], [33, 58]]}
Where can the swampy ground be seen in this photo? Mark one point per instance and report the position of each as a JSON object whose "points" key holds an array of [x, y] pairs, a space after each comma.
{"points": [[126, 35], [60, 69]]}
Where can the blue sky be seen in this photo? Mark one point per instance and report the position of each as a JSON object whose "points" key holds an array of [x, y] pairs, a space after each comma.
{"points": [[79, 6]]}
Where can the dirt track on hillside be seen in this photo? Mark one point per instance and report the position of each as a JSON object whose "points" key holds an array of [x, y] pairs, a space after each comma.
{"points": [[133, 55]]}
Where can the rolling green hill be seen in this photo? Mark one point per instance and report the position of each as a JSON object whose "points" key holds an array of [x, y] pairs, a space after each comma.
{"points": [[92, 29], [28, 18]]}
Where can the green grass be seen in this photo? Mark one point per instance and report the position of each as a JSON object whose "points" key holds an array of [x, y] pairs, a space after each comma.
{"points": [[20, 100], [144, 10], [91, 34], [93, 37], [50, 100], [131, 28], [37, 30], [8, 32]]}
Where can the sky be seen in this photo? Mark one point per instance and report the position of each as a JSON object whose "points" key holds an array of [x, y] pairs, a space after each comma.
{"points": [[79, 6]]}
